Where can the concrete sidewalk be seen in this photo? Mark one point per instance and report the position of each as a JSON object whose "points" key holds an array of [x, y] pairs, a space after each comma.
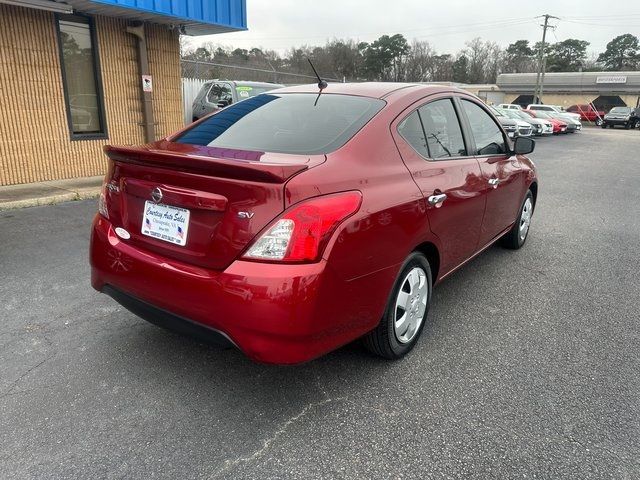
{"points": [[48, 193]]}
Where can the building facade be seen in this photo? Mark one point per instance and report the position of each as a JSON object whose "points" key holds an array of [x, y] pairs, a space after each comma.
{"points": [[78, 75], [605, 89]]}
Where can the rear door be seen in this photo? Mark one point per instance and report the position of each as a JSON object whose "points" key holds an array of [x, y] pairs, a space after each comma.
{"points": [[432, 146], [502, 177]]}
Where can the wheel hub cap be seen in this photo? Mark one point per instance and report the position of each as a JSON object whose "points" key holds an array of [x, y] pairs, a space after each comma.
{"points": [[411, 305], [525, 218]]}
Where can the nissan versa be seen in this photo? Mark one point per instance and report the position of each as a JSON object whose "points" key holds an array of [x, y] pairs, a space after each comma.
{"points": [[299, 220]]}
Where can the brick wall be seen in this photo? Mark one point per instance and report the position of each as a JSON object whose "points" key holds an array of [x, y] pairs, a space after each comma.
{"points": [[34, 135]]}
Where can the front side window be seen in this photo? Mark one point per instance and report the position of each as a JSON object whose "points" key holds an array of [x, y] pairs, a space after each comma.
{"points": [[297, 123], [442, 128], [411, 130], [83, 92], [220, 92], [486, 132]]}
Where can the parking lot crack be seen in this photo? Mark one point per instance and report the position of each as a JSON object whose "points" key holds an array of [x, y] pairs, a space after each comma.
{"points": [[23, 375], [267, 443]]}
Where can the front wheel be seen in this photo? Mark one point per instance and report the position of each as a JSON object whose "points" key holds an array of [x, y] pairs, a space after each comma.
{"points": [[636, 124], [407, 307], [515, 238]]}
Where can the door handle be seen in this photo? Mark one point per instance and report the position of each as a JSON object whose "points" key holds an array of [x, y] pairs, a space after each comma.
{"points": [[437, 199], [494, 182]]}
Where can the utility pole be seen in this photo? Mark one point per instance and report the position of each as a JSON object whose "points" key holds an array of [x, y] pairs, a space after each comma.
{"points": [[542, 60]]}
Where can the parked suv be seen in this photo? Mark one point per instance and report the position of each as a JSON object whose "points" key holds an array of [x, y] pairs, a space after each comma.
{"points": [[218, 94], [626, 117], [296, 221]]}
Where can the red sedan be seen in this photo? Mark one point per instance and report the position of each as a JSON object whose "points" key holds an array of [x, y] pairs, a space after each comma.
{"points": [[558, 125], [299, 220]]}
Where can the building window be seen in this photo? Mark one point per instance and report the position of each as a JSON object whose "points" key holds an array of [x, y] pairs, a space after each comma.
{"points": [[80, 76]]}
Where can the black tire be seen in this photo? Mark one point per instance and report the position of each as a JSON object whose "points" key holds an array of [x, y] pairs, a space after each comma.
{"points": [[513, 238], [636, 124], [627, 125], [383, 340], [598, 122], [604, 125]]}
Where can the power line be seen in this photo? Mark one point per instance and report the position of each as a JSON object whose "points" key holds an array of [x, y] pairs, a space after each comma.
{"points": [[462, 27]]}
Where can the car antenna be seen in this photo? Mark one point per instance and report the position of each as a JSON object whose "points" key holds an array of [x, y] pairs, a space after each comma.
{"points": [[321, 83]]}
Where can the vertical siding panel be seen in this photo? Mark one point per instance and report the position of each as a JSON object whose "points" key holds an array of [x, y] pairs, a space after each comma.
{"points": [[34, 136]]}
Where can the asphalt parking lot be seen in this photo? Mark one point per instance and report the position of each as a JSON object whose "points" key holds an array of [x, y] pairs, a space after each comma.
{"points": [[528, 368]]}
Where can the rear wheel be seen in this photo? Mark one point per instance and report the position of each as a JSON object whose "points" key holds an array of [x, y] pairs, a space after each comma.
{"points": [[636, 124], [598, 122], [515, 238], [408, 304]]}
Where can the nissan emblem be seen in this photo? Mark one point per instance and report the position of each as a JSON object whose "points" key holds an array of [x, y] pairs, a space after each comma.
{"points": [[156, 195]]}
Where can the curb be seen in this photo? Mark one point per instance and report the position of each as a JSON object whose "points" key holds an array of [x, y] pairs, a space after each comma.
{"points": [[81, 194]]}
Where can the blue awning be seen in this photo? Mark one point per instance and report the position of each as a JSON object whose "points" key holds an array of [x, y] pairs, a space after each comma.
{"points": [[194, 17]]}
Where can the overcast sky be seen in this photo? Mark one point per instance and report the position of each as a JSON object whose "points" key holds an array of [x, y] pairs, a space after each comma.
{"points": [[447, 25]]}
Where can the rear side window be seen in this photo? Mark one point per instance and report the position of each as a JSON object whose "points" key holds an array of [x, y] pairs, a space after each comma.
{"points": [[442, 128], [296, 123], [411, 130], [220, 92], [486, 132]]}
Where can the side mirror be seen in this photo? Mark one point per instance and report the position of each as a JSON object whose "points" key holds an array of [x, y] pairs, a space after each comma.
{"points": [[523, 145], [223, 103]]}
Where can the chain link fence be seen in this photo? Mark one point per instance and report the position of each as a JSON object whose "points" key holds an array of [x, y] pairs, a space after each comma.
{"points": [[211, 70]]}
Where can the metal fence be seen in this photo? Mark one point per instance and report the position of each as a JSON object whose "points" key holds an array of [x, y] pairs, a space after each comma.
{"points": [[211, 70]]}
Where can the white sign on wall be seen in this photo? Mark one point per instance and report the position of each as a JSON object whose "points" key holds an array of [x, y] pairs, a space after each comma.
{"points": [[612, 79]]}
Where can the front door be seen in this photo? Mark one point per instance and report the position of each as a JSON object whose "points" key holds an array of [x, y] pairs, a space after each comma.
{"points": [[433, 148], [502, 178]]}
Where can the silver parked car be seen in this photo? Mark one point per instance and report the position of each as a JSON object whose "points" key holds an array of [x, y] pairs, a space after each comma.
{"points": [[540, 126], [218, 94]]}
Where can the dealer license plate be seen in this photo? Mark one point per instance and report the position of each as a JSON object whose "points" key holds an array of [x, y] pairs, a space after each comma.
{"points": [[170, 224]]}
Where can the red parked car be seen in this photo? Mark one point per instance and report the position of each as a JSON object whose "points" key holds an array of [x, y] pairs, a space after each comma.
{"points": [[297, 221], [558, 125], [587, 113]]}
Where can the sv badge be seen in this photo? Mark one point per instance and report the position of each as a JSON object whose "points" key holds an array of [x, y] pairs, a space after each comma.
{"points": [[246, 214]]}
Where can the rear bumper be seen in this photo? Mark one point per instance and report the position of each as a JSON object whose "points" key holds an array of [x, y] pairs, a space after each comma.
{"points": [[283, 314]]}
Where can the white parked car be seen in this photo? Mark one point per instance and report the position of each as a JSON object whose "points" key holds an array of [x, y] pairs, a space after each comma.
{"points": [[552, 108], [510, 106]]}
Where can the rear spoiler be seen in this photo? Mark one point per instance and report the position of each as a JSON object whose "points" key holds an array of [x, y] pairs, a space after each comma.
{"points": [[253, 171]]}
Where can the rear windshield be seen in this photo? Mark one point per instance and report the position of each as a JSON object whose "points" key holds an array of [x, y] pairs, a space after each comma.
{"points": [[297, 123]]}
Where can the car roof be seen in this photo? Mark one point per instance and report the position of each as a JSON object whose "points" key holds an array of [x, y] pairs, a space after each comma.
{"points": [[368, 89]]}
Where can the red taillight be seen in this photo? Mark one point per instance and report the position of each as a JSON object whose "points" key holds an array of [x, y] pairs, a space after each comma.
{"points": [[302, 233]]}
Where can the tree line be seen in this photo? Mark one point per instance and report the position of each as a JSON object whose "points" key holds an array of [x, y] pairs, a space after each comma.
{"points": [[393, 58]]}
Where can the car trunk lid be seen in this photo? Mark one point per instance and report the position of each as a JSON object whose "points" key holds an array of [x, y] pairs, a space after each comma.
{"points": [[197, 204]]}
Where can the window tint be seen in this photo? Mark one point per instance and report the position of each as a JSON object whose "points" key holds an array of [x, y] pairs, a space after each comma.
{"points": [[298, 123], [220, 92], [246, 91], [411, 130], [444, 136], [486, 132], [83, 94]]}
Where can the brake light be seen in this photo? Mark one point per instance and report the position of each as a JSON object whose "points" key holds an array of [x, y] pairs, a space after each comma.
{"points": [[102, 201], [302, 233]]}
